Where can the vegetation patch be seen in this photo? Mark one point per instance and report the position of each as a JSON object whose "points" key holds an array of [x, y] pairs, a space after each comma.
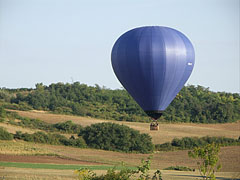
{"points": [[106, 136], [4, 135], [115, 137], [140, 173], [66, 127], [54, 139], [179, 168], [207, 160], [192, 142]]}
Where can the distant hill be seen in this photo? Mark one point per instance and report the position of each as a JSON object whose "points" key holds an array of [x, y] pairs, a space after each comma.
{"points": [[192, 104]]}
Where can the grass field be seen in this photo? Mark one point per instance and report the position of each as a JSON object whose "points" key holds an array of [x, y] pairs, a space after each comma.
{"points": [[57, 166], [13, 128], [22, 148]]}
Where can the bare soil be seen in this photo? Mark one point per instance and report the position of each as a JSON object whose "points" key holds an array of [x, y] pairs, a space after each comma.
{"points": [[44, 159]]}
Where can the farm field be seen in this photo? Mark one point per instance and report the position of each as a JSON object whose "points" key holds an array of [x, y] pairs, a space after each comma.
{"points": [[49, 174], [166, 131], [17, 157], [43, 153]]}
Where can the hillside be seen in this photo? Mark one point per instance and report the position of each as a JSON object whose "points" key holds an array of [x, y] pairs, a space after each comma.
{"points": [[192, 104], [167, 132]]}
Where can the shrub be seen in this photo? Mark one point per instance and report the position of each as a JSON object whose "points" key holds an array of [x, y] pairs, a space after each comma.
{"points": [[207, 160], [164, 147], [4, 135], [115, 137], [55, 139], [2, 112], [179, 168], [79, 142], [23, 106], [68, 126], [191, 142], [142, 171]]}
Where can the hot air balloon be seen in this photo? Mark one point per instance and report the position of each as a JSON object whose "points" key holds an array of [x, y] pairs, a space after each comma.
{"points": [[153, 63]]}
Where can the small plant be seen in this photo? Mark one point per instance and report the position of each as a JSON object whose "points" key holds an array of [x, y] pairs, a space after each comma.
{"points": [[157, 175], [144, 168], [207, 160], [85, 174], [125, 173]]}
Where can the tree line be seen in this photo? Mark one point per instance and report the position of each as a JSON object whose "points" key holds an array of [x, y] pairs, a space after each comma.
{"points": [[193, 104]]}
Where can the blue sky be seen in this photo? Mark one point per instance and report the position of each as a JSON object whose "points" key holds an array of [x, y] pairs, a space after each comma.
{"points": [[53, 41]]}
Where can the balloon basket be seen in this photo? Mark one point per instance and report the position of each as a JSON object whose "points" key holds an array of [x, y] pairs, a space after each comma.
{"points": [[154, 126]]}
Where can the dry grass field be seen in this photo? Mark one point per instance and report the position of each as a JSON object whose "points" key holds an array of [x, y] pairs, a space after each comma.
{"points": [[46, 174], [229, 156], [22, 148], [20, 151], [12, 128], [166, 131]]}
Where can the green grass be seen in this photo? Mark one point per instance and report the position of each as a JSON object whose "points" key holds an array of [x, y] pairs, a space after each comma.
{"points": [[58, 166]]}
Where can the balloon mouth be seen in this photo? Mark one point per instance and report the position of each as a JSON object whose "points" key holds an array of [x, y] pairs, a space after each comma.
{"points": [[154, 114]]}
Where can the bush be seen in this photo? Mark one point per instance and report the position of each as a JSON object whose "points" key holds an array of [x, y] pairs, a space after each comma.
{"points": [[68, 127], [23, 106], [34, 123], [125, 173], [164, 147], [55, 139], [4, 135], [179, 168], [115, 137], [207, 160], [2, 112], [40, 137], [191, 142]]}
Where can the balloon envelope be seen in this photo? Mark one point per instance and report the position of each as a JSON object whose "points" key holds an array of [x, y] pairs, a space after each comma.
{"points": [[153, 63]]}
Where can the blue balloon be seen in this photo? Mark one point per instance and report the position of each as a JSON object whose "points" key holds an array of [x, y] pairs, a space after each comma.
{"points": [[153, 63]]}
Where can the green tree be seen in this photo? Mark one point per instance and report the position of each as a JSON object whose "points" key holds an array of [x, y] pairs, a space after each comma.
{"points": [[192, 104], [115, 137], [207, 160]]}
